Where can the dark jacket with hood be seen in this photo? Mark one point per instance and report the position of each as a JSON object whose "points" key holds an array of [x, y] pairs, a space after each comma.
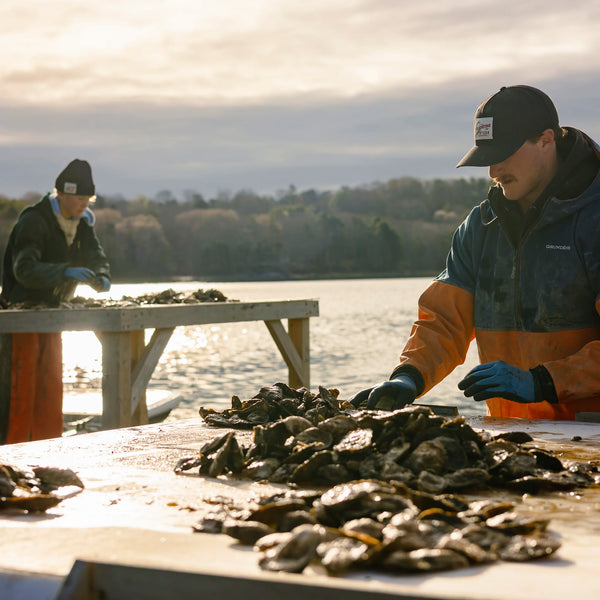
{"points": [[527, 287], [37, 255]]}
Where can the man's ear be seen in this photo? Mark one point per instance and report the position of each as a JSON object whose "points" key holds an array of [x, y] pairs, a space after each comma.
{"points": [[547, 137]]}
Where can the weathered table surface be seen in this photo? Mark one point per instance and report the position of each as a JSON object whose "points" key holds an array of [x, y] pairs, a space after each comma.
{"points": [[128, 362], [136, 511]]}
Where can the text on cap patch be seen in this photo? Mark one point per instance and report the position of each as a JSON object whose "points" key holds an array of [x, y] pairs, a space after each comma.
{"points": [[484, 128]]}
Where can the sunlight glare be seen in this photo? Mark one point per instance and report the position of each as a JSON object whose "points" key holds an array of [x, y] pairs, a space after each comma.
{"points": [[82, 358]]}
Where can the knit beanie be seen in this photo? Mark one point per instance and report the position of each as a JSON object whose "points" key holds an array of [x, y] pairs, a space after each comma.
{"points": [[76, 178]]}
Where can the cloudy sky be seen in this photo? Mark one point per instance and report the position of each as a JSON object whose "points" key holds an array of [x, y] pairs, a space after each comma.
{"points": [[219, 96]]}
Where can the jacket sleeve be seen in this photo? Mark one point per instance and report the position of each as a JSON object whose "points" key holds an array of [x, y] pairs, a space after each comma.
{"points": [[441, 335], [577, 376], [29, 269]]}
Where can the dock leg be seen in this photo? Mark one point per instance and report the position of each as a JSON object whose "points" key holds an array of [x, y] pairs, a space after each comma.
{"points": [[116, 379], [147, 357], [299, 334], [294, 348], [139, 414], [127, 365]]}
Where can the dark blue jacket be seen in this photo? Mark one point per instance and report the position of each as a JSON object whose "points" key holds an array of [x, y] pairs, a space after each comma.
{"points": [[527, 288], [37, 255]]}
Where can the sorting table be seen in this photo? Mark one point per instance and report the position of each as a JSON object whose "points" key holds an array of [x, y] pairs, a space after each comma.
{"points": [[128, 362], [135, 512]]}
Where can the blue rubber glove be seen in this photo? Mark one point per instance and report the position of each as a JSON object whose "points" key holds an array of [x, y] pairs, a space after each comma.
{"points": [[499, 380], [79, 273], [101, 283], [389, 395]]}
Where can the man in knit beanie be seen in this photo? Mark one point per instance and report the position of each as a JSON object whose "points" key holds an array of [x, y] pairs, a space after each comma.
{"points": [[52, 248]]}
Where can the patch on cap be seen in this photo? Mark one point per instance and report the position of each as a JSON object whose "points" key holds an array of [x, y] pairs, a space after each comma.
{"points": [[484, 128], [70, 188]]}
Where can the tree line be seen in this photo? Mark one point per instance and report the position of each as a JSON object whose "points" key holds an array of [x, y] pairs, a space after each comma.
{"points": [[402, 227]]}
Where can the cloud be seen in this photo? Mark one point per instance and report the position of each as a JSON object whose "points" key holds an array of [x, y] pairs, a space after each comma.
{"points": [[140, 148], [261, 95], [236, 51]]}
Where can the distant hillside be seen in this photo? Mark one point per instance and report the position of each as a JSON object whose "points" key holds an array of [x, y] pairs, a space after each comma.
{"points": [[399, 228]]}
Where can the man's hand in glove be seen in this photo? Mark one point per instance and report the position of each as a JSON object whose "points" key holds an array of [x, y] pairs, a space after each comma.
{"points": [[389, 395], [100, 283], [499, 380], [79, 273]]}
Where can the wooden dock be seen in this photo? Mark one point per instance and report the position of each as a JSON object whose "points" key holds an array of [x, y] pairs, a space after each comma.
{"points": [[128, 362]]}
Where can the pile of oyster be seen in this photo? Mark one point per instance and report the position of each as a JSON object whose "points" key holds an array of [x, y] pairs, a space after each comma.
{"points": [[273, 403], [372, 524], [34, 491], [313, 439], [168, 296], [374, 489]]}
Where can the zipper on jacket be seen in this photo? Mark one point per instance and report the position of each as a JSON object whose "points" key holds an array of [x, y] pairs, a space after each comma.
{"points": [[517, 264], [517, 287]]}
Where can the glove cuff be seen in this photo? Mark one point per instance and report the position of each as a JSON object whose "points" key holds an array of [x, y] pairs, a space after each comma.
{"points": [[543, 384], [413, 373]]}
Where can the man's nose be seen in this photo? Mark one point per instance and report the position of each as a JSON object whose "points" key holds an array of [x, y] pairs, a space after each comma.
{"points": [[495, 170]]}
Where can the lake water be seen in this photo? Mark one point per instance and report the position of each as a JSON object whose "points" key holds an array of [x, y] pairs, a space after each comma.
{"points": [[354, 343]]}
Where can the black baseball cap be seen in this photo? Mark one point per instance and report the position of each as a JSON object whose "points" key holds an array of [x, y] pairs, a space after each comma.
{"points": [[505, 121]]}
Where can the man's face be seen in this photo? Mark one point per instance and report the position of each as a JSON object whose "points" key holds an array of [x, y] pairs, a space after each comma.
{"points": [[72, 205], [524, 175]]}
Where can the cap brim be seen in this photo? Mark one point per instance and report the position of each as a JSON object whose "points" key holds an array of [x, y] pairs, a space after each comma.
{"points": [[486, 155]]}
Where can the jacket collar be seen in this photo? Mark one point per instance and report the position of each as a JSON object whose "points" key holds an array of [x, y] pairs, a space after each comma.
{"points": [[88, 216]]}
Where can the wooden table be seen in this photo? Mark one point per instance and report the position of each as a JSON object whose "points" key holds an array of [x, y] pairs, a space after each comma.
{"points": [[136, 513], [128, 362]]}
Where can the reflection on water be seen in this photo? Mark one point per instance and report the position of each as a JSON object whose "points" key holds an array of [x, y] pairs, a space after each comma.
{"points": [[354, 343]]}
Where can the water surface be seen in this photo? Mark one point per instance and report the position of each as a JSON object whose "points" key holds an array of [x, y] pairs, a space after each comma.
{"points": [[354, 343]]}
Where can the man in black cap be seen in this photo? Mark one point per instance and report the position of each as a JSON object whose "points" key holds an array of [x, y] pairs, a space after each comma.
{"points": [[522, 276], [51, 249]]}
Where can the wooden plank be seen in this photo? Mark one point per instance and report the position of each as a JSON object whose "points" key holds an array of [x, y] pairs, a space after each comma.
{"points": [[152, 316], [139, 408], [116, 380], [288, 352], [94, 580], [146, 363], [299, 334], [47, 320], [219, 312]]}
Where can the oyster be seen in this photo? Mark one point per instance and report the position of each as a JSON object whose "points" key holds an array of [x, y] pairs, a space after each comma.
{"points": [[33, 491], [425, 560], [295, 553], [246, 532], [521, 548], [342, 553], [52, 478]]}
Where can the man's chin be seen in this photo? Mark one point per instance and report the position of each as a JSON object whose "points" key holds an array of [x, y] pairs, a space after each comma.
{"points": [[507, 193]]}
